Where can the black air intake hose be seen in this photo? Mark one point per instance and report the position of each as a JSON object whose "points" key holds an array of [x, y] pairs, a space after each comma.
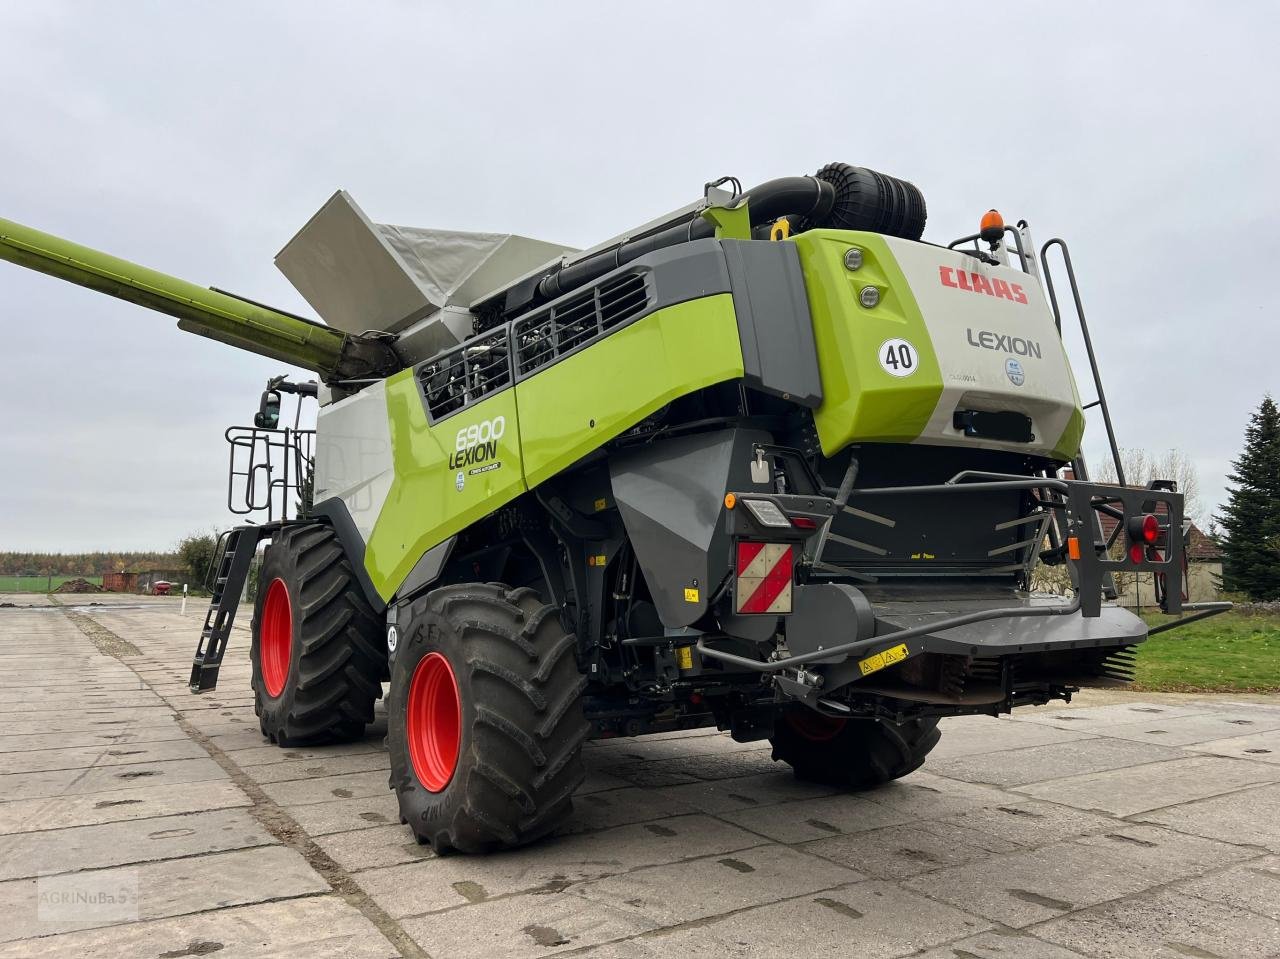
{"points": [[803, 196], [871, 201], [840, 197]]}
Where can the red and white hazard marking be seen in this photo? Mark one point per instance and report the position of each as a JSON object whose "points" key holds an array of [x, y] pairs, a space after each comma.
{"points": [[764, 578]]}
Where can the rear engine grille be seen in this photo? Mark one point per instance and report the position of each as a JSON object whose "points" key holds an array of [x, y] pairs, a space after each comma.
{"points": [[467, 374], [577, 320]]}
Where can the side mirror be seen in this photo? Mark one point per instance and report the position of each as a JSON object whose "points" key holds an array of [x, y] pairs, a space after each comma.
{"points": [[268, 417]]}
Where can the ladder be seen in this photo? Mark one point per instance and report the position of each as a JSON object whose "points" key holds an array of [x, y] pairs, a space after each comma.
{"points": [[238, 546]]}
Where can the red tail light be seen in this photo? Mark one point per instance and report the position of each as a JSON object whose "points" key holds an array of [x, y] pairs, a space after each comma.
{"points": [[1144, 528]]}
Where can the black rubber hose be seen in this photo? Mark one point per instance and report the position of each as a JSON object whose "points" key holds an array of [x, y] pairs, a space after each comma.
{"points": [[804, 196]]}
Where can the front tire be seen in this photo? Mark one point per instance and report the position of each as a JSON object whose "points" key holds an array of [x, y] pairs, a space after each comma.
{"points": [[484, 718], [856, 753], [318, 651]]}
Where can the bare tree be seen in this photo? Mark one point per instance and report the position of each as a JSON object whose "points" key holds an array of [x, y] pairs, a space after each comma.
{"points": [[1141, 467]]}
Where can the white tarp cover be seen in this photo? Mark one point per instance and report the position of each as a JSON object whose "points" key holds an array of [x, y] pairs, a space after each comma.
{"points": [[360, 275]]}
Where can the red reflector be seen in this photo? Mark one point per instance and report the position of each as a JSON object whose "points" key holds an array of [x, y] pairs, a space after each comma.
{"points": [[1136, 553], [764, 578], [747, 552], [1150, 528], [803, 522]]}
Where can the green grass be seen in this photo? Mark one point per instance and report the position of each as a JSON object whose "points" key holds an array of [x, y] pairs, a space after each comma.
{"points": [[1234, 652], [38, 584]]}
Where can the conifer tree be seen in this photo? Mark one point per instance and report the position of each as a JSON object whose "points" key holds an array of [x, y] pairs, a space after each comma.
{"points": [[1251, 519]]}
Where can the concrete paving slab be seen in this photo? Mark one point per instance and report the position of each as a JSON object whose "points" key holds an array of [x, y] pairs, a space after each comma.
{"points": [[162, 889], [134, 841], [358, 785], [379, 846], [718, 884], [312, 770], [809, 819], [878, 920], [341, 815], [63, 721], [1000, 944], [521, 926], [76, 782], [617, 807], [978, 735], [1031, 823], [899, 852], [749, 792], [1184, 730], [41, 741], [710, 765], [106, 754], [262, 753], [1095, 719], [1253, 885], [1247, 816], [915, 847], [1258, 747], [1017, 767], [1123, 792], [636, 854], [1166, 925], [317, 928], [1021, 888], [450, 881], [597, 780], [31, 815]]}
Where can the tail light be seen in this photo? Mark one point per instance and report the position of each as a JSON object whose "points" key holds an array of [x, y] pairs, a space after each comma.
{"points": [[1144, 528], [1145, 534]]}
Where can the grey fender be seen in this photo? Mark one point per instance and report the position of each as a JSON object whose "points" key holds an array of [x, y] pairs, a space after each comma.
{"points": [[670, 495]]}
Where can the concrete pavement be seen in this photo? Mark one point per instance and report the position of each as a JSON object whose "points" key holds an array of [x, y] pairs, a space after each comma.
{"points": [[139, 820]]}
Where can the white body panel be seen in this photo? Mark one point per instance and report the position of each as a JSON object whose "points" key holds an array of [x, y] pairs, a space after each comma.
{"points": [[997, 350], [353, 454]]}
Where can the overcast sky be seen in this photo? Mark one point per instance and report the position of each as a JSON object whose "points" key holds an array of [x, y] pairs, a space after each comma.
{"points": [[196, 138]]}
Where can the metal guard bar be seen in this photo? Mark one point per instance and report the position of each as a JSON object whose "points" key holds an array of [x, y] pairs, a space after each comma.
{"points": [[848, 649]]}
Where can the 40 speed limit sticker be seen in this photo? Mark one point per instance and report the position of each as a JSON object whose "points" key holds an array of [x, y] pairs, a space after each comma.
{"points": [[898, 357]]}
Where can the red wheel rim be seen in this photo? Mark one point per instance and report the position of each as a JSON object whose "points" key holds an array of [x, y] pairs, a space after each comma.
{"points": [[814, 727], [433, 722], [275, 637]]}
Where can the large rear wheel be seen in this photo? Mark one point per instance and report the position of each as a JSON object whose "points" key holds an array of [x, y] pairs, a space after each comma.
{"points": [[484, 718], [318, 651], [851, 752]]}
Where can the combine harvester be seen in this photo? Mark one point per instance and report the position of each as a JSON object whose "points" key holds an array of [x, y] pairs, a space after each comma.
{"points": [[769, 463]]}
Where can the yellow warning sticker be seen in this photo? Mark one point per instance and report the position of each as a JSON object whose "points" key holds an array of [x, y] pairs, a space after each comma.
{"points": [[601, 504], [690, 595], [600, 560], [684, 657], [886, 657]]}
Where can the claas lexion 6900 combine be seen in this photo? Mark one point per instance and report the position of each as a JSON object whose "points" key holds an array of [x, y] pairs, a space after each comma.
{"points": [[769, 463]]}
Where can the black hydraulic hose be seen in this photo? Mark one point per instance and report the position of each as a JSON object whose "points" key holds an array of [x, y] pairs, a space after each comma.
{"points": [[803, 196], [848, 649]]}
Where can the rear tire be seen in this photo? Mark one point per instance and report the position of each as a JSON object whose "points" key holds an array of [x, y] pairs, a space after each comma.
{"points": [[484, 718], [318, 650], [857, 753]]}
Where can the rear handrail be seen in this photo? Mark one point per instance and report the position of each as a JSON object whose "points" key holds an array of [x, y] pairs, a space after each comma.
{"points": [[1088, 340]]}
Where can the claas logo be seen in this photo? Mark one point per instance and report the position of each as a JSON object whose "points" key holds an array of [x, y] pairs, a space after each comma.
{"points": [[977, 283]]}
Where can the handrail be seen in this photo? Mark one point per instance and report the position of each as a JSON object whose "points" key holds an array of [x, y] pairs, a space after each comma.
{"points": [[1088, 340]]}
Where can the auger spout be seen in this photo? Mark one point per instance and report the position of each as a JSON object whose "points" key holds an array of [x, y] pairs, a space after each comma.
{"points": [[219, 316]]}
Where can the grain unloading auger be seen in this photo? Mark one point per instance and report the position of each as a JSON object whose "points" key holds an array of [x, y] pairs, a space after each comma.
{"points": [[769, 462]]}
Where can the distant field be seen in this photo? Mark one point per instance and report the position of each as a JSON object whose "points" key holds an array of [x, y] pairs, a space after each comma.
{"points": [[1234, 652], [39, 584]]}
